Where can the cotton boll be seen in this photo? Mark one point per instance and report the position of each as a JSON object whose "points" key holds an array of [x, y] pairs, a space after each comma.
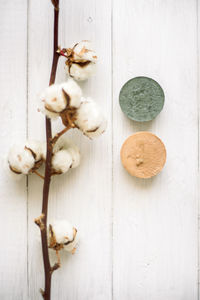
{"points": [[89, 115], [64, 143], [60, 97], [83, 52], [7, 171], [100, 130], [90, 119], [36, 148], [81, 71], [54, 99], [62, 235], [61, 161], [20, 159], [75, 155], [41, 108], [81, 61], [73, 92]]}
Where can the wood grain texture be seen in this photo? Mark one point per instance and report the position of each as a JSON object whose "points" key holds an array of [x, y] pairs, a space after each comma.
{"points": [[138, 238], [13, 204], [155, 221]]}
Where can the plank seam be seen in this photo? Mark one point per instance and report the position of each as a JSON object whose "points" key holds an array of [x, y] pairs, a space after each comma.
{"points": [[27, 136], [112, 150]]}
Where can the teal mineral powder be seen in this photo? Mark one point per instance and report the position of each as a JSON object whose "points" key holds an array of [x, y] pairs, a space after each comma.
{"points": [[141, 99]]}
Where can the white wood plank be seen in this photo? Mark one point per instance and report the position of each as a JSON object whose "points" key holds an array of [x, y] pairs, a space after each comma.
{"points": [[13, 204], [83, 195], [198, 91], [155, 221], [40, 16]]}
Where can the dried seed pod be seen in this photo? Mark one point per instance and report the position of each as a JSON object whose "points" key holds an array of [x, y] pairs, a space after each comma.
{"points": [[58, 98], [89, 118], [61, 162], [81, 62], [62, 235], [64, 143], [54, 98], [24, 159]]}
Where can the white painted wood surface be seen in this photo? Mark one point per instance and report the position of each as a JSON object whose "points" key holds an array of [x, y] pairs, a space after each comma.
{"points": [[138, 238]]}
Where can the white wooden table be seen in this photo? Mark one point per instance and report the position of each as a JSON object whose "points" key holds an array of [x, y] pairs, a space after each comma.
{"points": [[138, 238]]}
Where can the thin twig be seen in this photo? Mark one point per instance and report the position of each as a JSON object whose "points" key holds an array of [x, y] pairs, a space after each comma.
{"points": [[56, 137], [38, 174], [45, 251]]}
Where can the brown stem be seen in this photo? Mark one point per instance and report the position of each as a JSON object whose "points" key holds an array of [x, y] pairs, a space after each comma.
{"points": [[47, 179]]}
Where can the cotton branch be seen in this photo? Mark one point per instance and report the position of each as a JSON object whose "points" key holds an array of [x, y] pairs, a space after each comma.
{"points": [[62, 100], [47, 179]]}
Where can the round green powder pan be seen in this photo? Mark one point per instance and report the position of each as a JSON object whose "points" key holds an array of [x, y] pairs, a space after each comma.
{"points": [[141, 99]]}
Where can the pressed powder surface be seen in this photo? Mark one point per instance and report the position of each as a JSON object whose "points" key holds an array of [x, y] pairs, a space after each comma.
{"points": [[141, 99], [143, 154]]}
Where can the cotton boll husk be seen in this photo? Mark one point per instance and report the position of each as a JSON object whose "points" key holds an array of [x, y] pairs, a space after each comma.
{"points": [[21, 159], [74, 92], [90, 119], [61, 161], [54, 98], [36, 147], [64, 232], [83, 52], [81, 72]]}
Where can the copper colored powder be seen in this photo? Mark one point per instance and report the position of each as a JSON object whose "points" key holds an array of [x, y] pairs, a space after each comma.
{"points": [[143, 155]]}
